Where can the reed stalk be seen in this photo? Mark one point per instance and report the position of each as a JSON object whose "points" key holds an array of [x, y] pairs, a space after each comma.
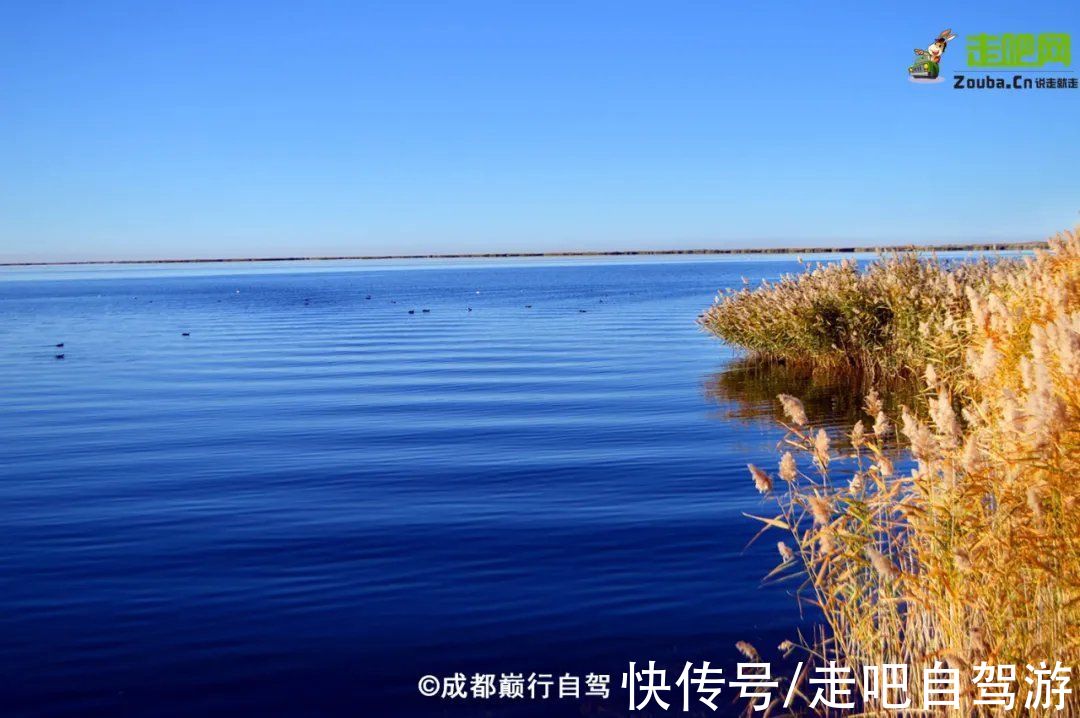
{"points": [[947, 533]]}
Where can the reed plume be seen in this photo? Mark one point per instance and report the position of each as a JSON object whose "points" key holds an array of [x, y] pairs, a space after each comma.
{"points": [[955, 539]]}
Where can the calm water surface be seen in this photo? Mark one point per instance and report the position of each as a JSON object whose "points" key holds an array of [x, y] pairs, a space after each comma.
{"points": [[316, 497]]}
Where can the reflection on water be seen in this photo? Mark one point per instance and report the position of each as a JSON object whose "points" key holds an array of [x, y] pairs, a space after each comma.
{"points": [[746, 391]]}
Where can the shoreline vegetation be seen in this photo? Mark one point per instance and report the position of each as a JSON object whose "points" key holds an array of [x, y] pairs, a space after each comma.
{"points": [[944, 534], [847, 249]]}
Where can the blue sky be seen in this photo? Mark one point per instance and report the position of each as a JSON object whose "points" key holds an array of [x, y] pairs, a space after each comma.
{"points": [[154, 129]]}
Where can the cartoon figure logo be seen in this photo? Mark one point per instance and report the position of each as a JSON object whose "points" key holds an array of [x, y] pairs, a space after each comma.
{"points": [[927, 65]]}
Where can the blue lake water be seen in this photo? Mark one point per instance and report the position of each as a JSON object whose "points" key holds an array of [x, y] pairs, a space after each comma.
{"points": [[316, 497]]}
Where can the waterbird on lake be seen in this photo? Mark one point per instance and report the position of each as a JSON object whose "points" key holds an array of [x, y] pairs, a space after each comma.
{"points": [[528, 306], [427, 311], [582, 311], [59, 356], [60, 345], [412, 311], [185, 334], [368, 297]]}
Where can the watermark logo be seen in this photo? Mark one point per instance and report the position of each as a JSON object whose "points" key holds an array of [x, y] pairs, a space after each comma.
{"points": [[1019, 50], [1006, 61], [927, 64], [1018, 61], [833, 689]]}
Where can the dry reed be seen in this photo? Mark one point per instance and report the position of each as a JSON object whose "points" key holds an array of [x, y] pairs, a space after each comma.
{"points": [[968, 551]]}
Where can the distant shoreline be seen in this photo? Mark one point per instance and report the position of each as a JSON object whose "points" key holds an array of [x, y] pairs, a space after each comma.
{"points": [[974, 247]]}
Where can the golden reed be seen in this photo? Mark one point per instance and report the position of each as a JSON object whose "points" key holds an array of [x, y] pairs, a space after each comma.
{"points": [[954, 538]]}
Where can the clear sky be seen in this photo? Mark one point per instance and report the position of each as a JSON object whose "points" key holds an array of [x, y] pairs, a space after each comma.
{"points": [[177, 129]]}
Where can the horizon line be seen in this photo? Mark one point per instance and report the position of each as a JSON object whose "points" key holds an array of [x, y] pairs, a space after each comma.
{"points": [[847, 249]]}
